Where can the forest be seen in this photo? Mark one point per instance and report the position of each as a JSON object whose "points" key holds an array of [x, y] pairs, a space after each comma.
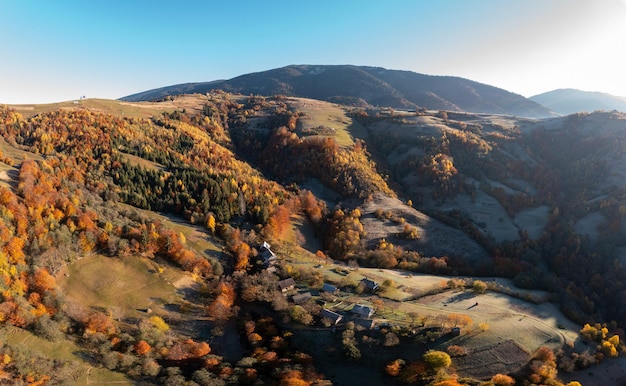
{"points": [[244, 169]]}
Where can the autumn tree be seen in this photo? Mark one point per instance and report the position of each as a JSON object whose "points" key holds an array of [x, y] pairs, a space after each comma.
{"points": [[210, 222], [221, 307], [448, 382], [344, 233], [502, 380], [412, 372], [188, 349], [479, 286], [293, 378], [242, 256], [142, 347], [278, 223], [311, 206], [42, 281], [393, 368], [542, 366], [459, 320], [100, 323]]}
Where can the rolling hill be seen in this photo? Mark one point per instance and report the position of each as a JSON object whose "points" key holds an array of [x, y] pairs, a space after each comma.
{"points": [[569, 101], [133, 229], [360, 85]]}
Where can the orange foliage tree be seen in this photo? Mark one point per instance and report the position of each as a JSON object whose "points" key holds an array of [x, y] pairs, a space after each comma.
{"points": [[42, 281], [311, 206], [220, 308], [278, 223], [293, 378], [99, 322], [142, 347], [502, 380], [188, 349]]}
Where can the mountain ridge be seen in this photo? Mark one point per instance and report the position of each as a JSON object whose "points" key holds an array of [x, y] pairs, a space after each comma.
{"points": [[569, 101], [376, 86]]}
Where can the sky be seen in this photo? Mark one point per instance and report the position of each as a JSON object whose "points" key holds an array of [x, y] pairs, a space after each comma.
{"points": [[61, 50]]}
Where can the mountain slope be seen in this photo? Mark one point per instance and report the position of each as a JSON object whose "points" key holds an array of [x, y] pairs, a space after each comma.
{"points": [[374, 85], [569, 101], [538, 201]]}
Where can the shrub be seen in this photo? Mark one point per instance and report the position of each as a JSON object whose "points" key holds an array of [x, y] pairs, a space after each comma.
{"points": [[391, 339], [502, 380], [351, 351], [436, 360], [159, 323], [456, 351], [479, 286]]}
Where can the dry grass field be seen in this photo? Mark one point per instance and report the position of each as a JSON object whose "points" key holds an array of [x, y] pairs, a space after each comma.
{"points": [[78, 371], [329, 115], [120, 286], [118, 108], [434, 236], [509, 324]]}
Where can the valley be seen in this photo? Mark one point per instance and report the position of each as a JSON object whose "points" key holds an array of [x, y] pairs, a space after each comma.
{"points": [[140, 233]]}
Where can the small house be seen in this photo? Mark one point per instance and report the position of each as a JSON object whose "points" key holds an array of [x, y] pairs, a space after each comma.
{"points": [[287, 284], [268, 258], [330, 315], [369, 285], [363, 311], [368, 324], [331, 289], [301, 298]]}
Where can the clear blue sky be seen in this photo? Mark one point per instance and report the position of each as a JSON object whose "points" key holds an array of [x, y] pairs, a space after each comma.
{"points": [[60, 50]]}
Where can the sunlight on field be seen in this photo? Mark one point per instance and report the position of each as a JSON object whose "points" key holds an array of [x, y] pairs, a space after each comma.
{"points": [[140, 162], [120, 285], [16, 154], [115, 107], [79, 370], [328, 115]]}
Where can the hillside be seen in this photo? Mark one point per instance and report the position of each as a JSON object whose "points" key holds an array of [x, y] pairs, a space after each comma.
{"points": [[366, 85], [569, 101], [173, 207]]}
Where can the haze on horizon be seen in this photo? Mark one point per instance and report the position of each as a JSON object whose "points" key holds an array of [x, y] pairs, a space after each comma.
{"points": [[55, 51]]}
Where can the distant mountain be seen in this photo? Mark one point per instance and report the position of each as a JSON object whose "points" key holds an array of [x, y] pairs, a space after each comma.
{"points": [[569, 101], [372, 85]]}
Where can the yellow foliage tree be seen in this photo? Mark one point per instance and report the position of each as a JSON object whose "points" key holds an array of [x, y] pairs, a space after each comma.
{"points": [[159, 323], [210, 223]]}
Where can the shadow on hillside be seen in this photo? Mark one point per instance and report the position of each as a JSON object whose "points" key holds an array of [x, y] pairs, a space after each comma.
{"points": [[461, 296]]}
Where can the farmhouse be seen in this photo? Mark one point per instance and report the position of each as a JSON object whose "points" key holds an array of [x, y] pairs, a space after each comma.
{"points": [[361, 310], [369, 285], [301, 298], [330, 315], [365, 323], [266, 256], [287, 284], [331, 289]]}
